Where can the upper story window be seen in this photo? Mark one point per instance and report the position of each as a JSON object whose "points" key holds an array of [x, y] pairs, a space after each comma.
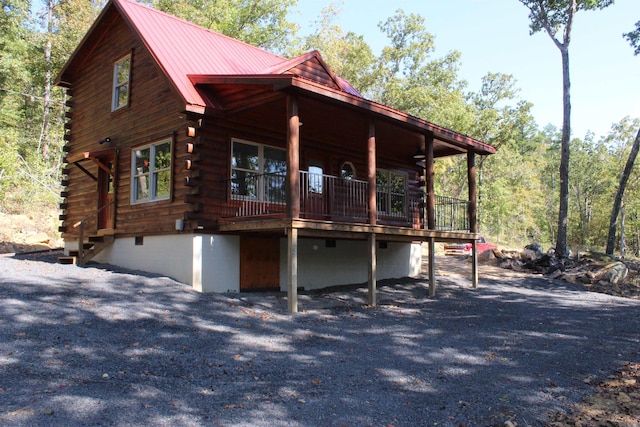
{"points": [[258, 171], [391, 189], [121, 83], [151, 172]]}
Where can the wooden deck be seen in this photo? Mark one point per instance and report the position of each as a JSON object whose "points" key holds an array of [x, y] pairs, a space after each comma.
{"points": [[341, 230]]}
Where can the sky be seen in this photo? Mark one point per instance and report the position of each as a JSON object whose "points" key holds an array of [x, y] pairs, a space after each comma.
{"points": [[493, 36]]}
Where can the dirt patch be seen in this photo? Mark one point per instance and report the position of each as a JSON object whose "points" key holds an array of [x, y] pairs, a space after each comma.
{"points": [[29, 232], [616, 402]]}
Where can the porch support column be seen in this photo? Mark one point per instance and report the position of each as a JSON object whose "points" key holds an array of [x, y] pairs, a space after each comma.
{"points": [[293, 158], [431, 210], [371, 173], [372, 269], [432, 267], [473, 214], [431, 197], [293, 200], [373, 209], [292, 269]]}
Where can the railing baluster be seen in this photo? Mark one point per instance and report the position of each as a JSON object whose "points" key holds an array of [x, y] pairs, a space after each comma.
{"points": [[335, 198]]}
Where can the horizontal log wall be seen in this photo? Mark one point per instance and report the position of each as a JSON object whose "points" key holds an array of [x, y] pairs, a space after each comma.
{"points": [[153, 113]]}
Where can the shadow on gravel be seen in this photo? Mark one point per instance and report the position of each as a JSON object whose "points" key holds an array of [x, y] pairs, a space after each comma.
{"points": [[88, 346]]}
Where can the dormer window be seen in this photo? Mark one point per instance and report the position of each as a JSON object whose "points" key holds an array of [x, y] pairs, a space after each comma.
{"points": [[121, 74]]}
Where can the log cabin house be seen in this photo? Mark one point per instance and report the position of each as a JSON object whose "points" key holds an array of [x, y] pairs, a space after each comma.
{"points": [[230, 168]]}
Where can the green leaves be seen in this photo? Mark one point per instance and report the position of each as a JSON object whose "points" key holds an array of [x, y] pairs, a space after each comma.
{"points": [[554, 15], [261, 23], [634, 38]]}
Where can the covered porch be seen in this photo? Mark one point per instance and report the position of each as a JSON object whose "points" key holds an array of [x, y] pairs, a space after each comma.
{"points": [[301, 201]]}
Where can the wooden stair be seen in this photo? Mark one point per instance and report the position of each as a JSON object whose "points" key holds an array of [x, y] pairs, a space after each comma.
{"points": [[91, 248]]}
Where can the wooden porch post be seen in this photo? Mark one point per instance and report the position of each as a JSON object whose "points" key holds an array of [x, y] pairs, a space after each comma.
{"points": [[473, 214], [371, 173], [293, 158], [431, 211], [431, 197], [293, 200], [373, 210]]}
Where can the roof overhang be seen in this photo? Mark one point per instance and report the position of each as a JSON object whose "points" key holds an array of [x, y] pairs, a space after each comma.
{"points": [[283, 82]]}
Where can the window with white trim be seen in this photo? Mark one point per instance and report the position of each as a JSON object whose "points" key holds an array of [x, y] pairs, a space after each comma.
{"points": [[151, 172], [391, 191], [258, 172], [121, 83]]}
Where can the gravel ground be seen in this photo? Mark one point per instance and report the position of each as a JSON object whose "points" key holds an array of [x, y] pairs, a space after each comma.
{"points": [[96, 347]]}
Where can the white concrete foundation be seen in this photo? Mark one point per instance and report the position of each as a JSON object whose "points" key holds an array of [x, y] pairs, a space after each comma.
{"points": [[347, 263], [211, 262]]}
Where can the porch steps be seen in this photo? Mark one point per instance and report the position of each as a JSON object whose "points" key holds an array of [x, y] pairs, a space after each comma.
{"points": [[70, 260], [92, 247]]}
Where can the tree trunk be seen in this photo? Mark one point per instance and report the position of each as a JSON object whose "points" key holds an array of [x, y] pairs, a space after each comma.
{"points": [[623, 241], [613, 221], [561, 243], [44, 135]]}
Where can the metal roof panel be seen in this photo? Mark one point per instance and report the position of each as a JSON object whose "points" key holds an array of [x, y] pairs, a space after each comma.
{"points": [[182, 48]]}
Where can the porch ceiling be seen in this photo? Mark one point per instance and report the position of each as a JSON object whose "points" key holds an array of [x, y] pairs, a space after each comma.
{"points": [[327, 116]]}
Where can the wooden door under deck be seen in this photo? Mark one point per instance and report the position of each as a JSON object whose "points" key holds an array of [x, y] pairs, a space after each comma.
{"points": [[259, 263]]}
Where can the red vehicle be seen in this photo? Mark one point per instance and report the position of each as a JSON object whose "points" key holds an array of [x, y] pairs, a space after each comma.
{"points": [[465, 248]]}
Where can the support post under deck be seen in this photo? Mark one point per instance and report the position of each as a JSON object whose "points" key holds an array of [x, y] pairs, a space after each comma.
{"points": [[432, 267], [372, 269], [292, 269], [474, 264]]}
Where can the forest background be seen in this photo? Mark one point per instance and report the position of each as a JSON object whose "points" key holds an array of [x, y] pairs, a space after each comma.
{"points": [[518, 186]]}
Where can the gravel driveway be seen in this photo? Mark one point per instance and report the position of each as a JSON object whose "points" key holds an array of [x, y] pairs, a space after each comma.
{"points": [[94, 347]]}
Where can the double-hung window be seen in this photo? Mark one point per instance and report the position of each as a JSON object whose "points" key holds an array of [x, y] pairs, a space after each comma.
{"points": [[391, 191], [258, 172], [121, 83], [151, 172]]}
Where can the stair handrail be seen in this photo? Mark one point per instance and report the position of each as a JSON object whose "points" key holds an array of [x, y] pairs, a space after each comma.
{"points": [[81, 230]]}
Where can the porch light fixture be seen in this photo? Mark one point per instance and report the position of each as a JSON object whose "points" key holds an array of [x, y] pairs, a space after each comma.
{"points": [[102, 141], [419, 155]]}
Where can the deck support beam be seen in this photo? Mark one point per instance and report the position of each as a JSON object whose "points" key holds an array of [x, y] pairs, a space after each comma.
{"points": [[372, 270]]}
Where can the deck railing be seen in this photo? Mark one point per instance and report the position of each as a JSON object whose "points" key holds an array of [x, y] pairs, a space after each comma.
{"points": [[451, 214], [326, 196], [332, 198], [257, 195]]}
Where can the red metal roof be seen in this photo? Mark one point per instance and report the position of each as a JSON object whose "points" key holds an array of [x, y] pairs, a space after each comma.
{"points": [[182, 48]]}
